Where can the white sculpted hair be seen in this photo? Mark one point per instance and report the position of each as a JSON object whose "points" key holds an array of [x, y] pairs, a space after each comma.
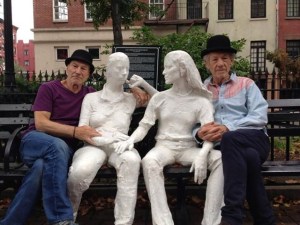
{"points": [[183, 60]]}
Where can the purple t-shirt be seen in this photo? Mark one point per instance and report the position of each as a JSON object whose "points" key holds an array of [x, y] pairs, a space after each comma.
{"points": [[63, 104]]}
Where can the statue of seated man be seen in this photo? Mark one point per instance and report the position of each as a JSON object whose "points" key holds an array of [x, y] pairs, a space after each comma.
{"points": [[109, 111], [178, 110]]}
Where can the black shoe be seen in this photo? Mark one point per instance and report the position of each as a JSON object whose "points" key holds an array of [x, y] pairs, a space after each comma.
{"points": [[224, 223]]}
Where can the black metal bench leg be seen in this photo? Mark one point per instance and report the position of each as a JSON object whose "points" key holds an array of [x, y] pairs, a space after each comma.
{"points": [[181, 211]]}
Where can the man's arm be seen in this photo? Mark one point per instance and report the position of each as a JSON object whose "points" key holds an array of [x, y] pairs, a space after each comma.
{"points": [[44, 124]]}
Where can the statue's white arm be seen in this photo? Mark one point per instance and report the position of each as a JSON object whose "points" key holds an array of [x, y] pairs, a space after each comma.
{"points": [[137, 81], [136, 136], [109, 137], [199, 165]]}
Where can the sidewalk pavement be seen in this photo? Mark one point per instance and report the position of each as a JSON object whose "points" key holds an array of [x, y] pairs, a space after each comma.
{"points": [[95, 210], [100, 212], [285, 216]]}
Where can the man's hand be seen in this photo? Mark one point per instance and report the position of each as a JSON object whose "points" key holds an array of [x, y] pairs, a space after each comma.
{"points": [[199, 165], [86, 133], [212, 132], [141, 96]]}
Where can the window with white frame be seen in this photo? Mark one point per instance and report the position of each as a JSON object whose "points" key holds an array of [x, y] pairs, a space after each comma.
{"points": [[87, 14], [60, 10], [61, 53], [94, 51], [26, 63], [293, 8], [258, 56], [156, 8], [26, 52], [293, 48], [225, 9], [258, 8]]}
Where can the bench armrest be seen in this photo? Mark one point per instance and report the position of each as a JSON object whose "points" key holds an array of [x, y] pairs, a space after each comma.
{"points": [[12, 148]]}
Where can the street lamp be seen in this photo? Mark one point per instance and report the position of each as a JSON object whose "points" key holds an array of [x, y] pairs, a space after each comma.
{"points": [[10, 81]]}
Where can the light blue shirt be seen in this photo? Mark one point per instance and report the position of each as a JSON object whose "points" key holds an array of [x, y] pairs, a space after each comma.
{"points": [[238, 104]]}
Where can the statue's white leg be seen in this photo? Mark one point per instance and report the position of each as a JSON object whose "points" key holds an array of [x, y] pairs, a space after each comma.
{"points": [[214, 198], [153, 164], [85, 165], [127, 166]]}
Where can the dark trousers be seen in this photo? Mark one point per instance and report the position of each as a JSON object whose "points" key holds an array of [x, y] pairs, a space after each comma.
{"points": [[243, 152]]}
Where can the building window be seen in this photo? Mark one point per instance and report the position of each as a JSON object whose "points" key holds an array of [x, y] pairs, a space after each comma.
{"points": [[293, 48], [258, 56], [26, 52], [156, 8], [87, 13], [61, 53], [60, 10], [94, 51], [194, 9], [26, 63], [225, 9], [293, 8], [258, 8]]}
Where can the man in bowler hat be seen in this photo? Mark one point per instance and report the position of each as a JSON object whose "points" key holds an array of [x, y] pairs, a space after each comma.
{"points": [[239, 132]]}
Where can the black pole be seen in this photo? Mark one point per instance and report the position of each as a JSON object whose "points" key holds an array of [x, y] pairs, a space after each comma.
{"points": [[10, 81]]}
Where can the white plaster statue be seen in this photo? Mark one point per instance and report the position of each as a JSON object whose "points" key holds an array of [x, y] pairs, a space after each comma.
{"points": [[109, 111], [177, 110]]}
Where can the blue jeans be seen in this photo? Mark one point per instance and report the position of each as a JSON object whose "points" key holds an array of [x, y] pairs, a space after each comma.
{"points": [[48, 158], [243, 153]]}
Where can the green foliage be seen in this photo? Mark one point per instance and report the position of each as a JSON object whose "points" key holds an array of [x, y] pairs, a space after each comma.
{"points": [[25, 86], [101, 10], [193, 41]]}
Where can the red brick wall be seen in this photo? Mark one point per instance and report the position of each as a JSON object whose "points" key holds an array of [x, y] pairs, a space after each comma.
{"points": [[288, 29], [43, 15]]}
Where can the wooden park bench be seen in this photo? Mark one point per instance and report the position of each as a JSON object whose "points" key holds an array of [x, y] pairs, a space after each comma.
{"points": [[283, 115]]}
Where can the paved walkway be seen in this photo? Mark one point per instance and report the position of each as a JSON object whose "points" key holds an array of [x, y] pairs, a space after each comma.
{"points": [[287, 212]]}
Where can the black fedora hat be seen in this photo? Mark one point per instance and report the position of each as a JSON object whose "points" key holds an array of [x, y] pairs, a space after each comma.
{"points": [[218, 43], [82, 56]]}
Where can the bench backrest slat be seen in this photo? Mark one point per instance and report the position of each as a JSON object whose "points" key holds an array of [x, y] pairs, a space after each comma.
{"points": [[284, 103], [15, 107]]}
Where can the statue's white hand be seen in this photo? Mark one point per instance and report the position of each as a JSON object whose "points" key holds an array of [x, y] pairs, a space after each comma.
{"points": [[135, 81], [200, 167], [122, 146]]}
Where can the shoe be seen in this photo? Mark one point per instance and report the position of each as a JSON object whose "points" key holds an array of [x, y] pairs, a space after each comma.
{"points": [[66, 222], [224, 223]]}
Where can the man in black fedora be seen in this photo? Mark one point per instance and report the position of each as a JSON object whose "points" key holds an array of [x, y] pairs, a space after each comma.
{"points": [[47, 146], [239, 132]]}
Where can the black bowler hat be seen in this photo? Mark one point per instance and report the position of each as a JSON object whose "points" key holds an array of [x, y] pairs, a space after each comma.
{"points": [[218, 43], [82, 56]]}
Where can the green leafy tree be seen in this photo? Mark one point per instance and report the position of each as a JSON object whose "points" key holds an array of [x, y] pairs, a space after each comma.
{"points": [[121, 12], [193, 41]]}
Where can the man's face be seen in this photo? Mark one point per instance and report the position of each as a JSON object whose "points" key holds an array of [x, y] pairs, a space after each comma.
{"points": [[78, 72], [219, 64]]}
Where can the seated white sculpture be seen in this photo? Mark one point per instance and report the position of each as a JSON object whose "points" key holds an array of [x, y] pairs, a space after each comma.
{"points": [[178, 110], [109, 111]]}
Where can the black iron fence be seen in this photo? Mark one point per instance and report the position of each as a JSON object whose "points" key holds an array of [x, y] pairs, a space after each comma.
{"points": [[272, 85], [278, 86]]}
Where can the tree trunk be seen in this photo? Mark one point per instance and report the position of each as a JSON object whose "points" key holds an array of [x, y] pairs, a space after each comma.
{"points": [[117, 22]]}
